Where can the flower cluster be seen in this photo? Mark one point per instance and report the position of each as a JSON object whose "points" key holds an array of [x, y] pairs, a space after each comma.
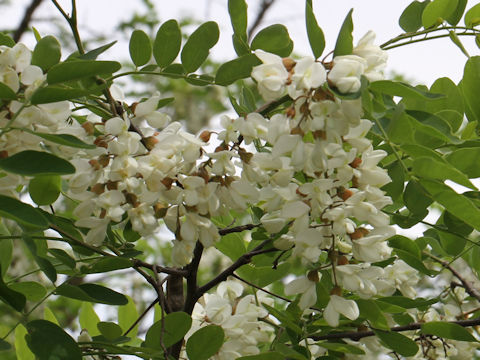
{"points": [[239, 316]]}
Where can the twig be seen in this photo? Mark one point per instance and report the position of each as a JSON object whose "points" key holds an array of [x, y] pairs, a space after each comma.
{"points": [[192, 270], [142, 315], [242, 260], [236, 229], [158, 268], [357, 335], [72, 22], [27, 17], [264, 6], [468, 287]]}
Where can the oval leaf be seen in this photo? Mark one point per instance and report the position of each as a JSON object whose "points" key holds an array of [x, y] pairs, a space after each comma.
{"points": [[167, 43], [52, 94], [398, 342], [21, 348], [205, 342], [32, 163], [447, 330], [411, 18], [32, 290], [273, 39], [6, 93], [79, 69], [44, 190], [472, 17], [22, 213], [48, 341], [110, 330], [437, 11], [63, 139], [198, 45], [237, 69], [92, 293], [140, 48], [11, 297], [175, 326], [46, 53]]}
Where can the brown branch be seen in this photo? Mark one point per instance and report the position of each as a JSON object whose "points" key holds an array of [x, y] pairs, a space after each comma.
{"points": [[264, 6], [27, 17], [236, 229], [468, 286], [192, 285], [357, 335], [159, 269], [242, 260]]}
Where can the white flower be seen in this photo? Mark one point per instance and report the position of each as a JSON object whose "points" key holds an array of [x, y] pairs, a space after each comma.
{"points": [[338, 305], [303, 285], [308, 74], [147, 111], [376, 57], [270, 76], [346, 73]]}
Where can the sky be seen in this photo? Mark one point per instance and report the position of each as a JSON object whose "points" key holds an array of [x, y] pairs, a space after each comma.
{"points": [[420, 63]]}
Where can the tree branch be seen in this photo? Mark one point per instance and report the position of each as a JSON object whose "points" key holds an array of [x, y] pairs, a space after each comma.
{"points": [[357, 335], [264, 6], [27, 17], [242, 260], [192, 270], [159, 269], [236, 229], [468, 287]]}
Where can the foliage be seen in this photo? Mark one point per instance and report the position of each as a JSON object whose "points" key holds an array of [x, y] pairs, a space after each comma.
{"points": [[281, 221]]}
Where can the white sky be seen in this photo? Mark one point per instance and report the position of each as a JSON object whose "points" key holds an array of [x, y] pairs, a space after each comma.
{"points": [[422, 62]]}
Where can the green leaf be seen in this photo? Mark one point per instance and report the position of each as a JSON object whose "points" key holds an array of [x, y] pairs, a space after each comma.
{"points": [[110, 264], [471, 87], [6, 40], [416, 198], [61, 255], [93, 54], [127, 315], [32, 163], [437, 11], [80, 69], [456, 40], [457, 204], [205, 342], [62, 139], [472, 17], [398, 342], [406, 244], [314, 32], [45, 189], [93, 293], [21, 348], [448, 331], [167, 43], [196, 49], [397, 174], [175, 326], [5, 345], [49, 315], [237, 9], [466, 160], [453, 100], [48, 341], [50, 94], [408, 303], [47, 53], [283, 317], [455, 17], [371, 311], [236, 69], [343, 348], [88, 319], [22, 213], [110, 330], [344, 44], [39, 257], [396, 88], [11, 297], [32, 290], [273, 355], [273, 39], [411, 18], [6, 251], [6, 93], [429, 168], [140, 48]]}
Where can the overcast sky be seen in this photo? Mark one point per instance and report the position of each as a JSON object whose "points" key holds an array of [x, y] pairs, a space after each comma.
{"points": [[422, 62]]}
